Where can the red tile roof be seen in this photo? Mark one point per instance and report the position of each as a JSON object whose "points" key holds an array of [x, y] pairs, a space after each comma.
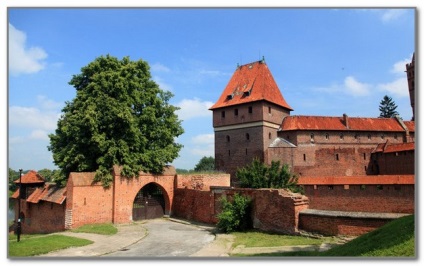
{"points": [[338, 123], [410, 146], [250, 83], [50, 192], [410, 125], [358, 180], [30, 178]]}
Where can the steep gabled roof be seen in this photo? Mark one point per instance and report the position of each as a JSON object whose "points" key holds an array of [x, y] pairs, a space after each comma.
{"points": [[32, 177], [250, 83], [343, 123]]}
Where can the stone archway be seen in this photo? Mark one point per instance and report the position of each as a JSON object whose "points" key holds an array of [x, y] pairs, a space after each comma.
{"points": [[149, 203]]}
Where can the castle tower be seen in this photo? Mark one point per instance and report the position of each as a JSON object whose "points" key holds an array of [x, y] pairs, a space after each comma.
{"points": [[246, 117], [410, 73]]}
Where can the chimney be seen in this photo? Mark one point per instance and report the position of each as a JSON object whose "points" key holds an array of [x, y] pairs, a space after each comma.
{"points": [[346, 120]]}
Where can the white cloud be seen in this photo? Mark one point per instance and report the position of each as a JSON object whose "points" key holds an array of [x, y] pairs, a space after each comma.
{"points": [[356, 88], [203, 139], [162, 85], [392, 14], [350, 86], [46, 103], [158, 67], [33, 118], [399, 87], [22, 59], [193, 108], [39, 134], [400, 67]]}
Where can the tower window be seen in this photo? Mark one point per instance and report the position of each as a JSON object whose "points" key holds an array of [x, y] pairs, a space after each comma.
{"points": [[365, 156], [341, 137], [250, 109], [223, 114], [327, 136], [269, 109], [228, 138], [235, 112], [312, 137], [337, 156], [269, 135], [229, 153], [369, 136], [247, 136], [304, 157], [246, 151]]}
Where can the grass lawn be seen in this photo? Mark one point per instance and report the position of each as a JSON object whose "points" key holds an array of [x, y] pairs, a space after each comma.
{"points": [[31, 245], [37, 244], [102, 229], [260, 239], [394, 239]]}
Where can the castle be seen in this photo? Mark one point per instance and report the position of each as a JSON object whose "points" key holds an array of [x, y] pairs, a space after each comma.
{"points": [[251, 119]]}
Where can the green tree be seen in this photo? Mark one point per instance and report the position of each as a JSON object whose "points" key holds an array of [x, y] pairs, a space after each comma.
{"points": [[205, 164], [387, 108], [119, 116], [259, 175], [13, 175], [235, 214]]}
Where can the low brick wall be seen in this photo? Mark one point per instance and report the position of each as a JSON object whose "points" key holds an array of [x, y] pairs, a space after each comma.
{"points": [[331, 223], [273, 210]]}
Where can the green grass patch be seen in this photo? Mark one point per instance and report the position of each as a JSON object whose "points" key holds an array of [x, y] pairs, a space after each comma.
{"points": [[394, 239], [102, 229], [37, 245], [260, 239]]}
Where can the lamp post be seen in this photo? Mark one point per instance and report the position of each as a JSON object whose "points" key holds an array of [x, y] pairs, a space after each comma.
{"points": [[19, 205]]}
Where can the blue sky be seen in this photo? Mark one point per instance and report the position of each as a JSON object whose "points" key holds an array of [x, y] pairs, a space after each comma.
{"points": [[326, 61]]}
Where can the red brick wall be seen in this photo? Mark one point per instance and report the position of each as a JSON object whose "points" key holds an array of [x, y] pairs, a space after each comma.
{"points": [[43, 217], [391, 198], [127, 188], [332, 226], [202, 181], [194, 205], [272, 210], [396, 163], [90, 205]]}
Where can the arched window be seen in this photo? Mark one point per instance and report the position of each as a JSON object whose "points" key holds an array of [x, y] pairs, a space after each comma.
{"points": [[327, 137], [312, 136]]}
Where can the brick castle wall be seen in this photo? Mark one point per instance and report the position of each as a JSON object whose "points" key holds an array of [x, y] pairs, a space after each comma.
{"points": [[202, 181]]}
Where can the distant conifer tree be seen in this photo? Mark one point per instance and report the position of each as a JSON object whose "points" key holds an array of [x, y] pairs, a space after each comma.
{"points": [[387, 108]]}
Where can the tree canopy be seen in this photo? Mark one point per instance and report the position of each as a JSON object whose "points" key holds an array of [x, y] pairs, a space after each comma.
{"points": [[119, 116], [387, 108], [259, 175], [205, 164]]}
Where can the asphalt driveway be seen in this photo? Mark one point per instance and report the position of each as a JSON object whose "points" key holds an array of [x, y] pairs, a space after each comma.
{"points": [[167, 238]]}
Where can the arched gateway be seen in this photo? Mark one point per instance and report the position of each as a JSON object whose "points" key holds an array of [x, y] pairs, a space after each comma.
{"points": [[149, 203]]}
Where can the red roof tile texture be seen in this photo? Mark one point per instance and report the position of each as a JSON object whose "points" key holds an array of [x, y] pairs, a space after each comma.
{"points": [[30, 178], [339, 123], [50, 192], [250, 83], [358, 180], [410, 146]]}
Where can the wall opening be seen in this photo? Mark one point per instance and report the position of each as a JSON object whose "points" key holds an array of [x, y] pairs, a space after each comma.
{"points": [[149, 203]]}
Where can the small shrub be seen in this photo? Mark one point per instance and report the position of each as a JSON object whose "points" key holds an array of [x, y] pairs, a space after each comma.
{"points": [[235, 215]]}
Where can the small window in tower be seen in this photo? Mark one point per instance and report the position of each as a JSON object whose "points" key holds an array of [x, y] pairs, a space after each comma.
{"points": [[369, 136], [365, 156], [341, 137], [223, 114], [312, 137], [337, 156], [327, 137], [228, 138], [269, 109], [269, 135], [356, 136], [246, 151], [229, 153], [382, 136], [236, 112], [250, 109], [304, 157], [247, 136], [395, 137]]}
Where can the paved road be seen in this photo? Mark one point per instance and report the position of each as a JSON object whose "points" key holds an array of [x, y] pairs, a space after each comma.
{"points": [[167, 238]]}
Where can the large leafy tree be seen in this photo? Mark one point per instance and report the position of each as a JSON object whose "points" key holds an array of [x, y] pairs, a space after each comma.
{"points": [[205, 164], [387, 108], [119, 116], [259, 175]]}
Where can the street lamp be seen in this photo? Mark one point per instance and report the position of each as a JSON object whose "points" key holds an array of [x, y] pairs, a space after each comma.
{"points": [[19, 205]]}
